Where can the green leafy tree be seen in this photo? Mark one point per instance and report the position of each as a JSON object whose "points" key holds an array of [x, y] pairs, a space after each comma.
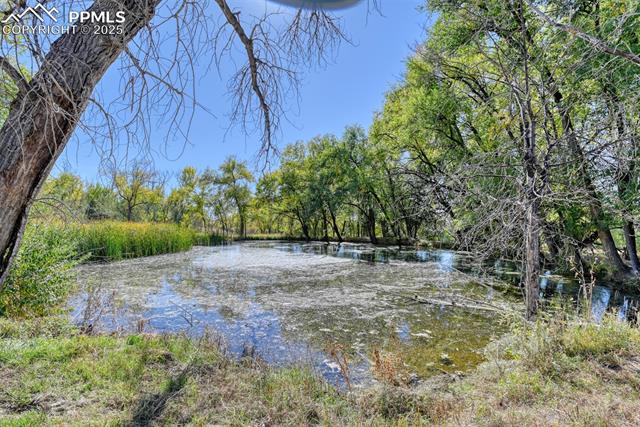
{"points": [[101, 202], [234, 179]]}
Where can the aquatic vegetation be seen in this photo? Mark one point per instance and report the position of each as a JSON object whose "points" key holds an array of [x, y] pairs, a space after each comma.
{"points": [[281, 296], [113, 240], [207, 239], [43, 273]]}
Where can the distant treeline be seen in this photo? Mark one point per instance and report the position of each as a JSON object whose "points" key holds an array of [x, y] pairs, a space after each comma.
{"points": [[503, 137]]}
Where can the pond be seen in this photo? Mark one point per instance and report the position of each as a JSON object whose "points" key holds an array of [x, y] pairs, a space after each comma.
{"points": [[295, 303]]}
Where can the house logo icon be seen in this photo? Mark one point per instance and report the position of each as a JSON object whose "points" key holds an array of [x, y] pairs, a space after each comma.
{"points": [[39, 12]]}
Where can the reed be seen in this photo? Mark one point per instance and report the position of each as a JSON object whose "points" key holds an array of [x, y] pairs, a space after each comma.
{"points": [[112, 240]]}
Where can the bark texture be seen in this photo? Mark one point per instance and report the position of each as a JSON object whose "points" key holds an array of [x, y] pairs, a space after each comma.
{"points": [[46, 111]]}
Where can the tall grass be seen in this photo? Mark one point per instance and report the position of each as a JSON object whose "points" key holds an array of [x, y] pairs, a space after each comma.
{"points": [[207, 239], [112, 241], [42, 274]]}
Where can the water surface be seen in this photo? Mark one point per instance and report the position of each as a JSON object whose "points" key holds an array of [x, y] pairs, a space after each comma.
{"points": [[292, 302]]}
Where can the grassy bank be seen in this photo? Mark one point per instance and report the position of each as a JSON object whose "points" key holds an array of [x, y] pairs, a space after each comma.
{"points": [[565, 373]]}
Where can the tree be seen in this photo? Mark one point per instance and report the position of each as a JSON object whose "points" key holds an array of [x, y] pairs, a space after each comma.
{"points": [[49, 106], [101, 202], [137, 186], [64, 192], [265, 210], [297, 202], [189, 203], [495, 122], [596, 41], [234, 179]]}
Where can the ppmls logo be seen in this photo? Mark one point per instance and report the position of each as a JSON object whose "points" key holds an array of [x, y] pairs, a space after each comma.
{"points": [[39, 11]]}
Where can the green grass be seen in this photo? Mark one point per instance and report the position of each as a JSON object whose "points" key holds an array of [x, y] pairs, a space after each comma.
{"points": [[112, 240], [42, 273], [73, 379], [554, 372]]}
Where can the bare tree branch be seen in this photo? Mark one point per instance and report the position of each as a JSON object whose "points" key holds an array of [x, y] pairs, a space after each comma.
{"points": [[597, 43], [247, 42]]}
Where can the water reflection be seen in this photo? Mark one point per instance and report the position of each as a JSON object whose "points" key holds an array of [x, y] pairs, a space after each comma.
{"points": [[291, 302], [605, 297]]}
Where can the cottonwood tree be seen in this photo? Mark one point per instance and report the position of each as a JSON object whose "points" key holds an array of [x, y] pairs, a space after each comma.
{"points": [[137, 186], [525, 134], [156, 50], [233, 179]]}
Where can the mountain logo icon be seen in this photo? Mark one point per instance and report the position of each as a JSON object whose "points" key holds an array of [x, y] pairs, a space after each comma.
{"points": [[39, 12]]}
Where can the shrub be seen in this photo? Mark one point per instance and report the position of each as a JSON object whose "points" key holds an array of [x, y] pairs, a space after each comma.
{"points": [[601, 341], [556, 342], [42, 274], [37, 327]]}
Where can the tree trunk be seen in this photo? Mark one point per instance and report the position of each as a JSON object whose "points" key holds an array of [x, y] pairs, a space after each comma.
{"points": [[594, 202], [305, 232], [45, 113], [630, 242], [243, 231], [532, 211], [371, 226], [624, 181], [325, 226], [533, 191], [334, 224], [532, 258]]}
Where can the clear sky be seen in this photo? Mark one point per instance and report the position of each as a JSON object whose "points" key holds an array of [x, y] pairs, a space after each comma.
{"points": [[347, 91]]}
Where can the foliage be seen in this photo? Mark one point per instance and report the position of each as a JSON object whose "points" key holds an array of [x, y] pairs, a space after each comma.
{"points": [[207, 239], [42, 275], [139, 189], [112, 240], [101, 202], [234, 178], [62, 195]]}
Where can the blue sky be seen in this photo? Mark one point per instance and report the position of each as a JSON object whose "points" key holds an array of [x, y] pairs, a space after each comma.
{"points": [[346, 91]]}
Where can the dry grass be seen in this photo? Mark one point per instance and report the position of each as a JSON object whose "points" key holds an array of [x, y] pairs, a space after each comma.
{"points": [[558, 372], [388, 368]]}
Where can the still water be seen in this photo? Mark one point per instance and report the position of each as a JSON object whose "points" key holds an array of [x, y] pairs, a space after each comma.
{"points": [[293, 303]]}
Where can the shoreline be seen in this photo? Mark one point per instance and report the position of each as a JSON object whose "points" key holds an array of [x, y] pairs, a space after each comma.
{"points": [[56, 376]]}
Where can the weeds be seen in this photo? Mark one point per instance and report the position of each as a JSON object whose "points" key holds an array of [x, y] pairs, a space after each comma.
{"points": [[555, 370], [110, 240], [388, 368], [114, 240], [339, 356], [43, 272], [42, 275], [563, 370]]}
